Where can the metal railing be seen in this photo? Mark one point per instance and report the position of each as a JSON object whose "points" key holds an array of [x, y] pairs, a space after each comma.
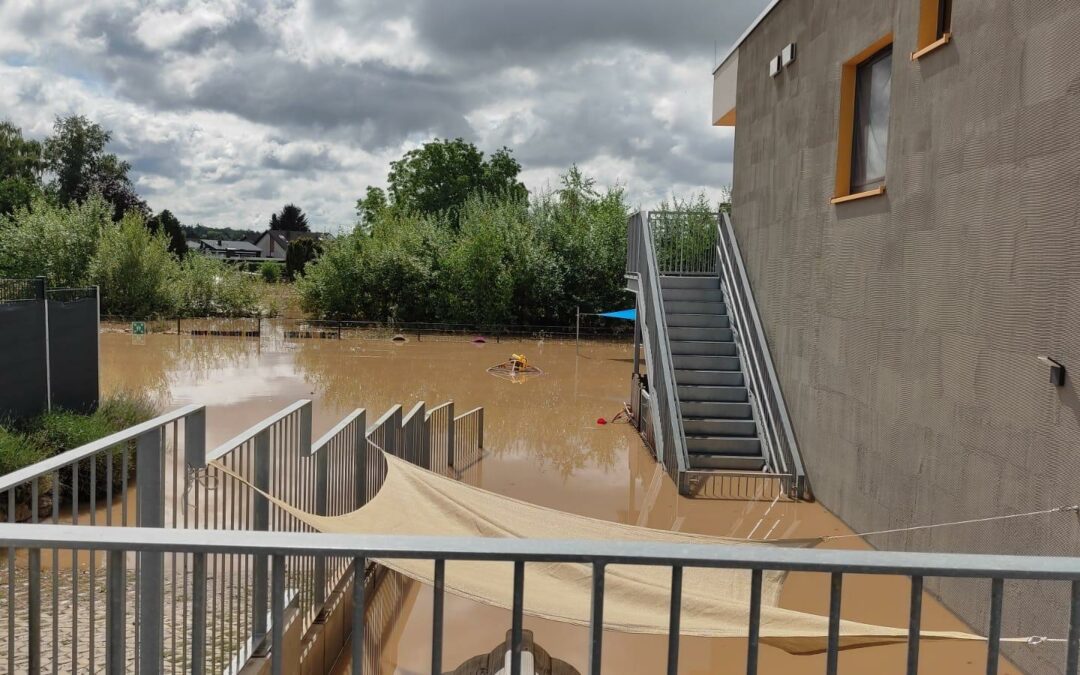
{"points": [[683, 242], [159, 474], [665, 419], [131, 478], [274, 549], [770, 409], [14, 290]]}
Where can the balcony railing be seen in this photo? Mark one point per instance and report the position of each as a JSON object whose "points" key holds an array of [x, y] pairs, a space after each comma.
{"points": [[273, 550]]}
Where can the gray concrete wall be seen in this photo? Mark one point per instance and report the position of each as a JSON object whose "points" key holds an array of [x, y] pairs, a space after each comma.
{"points": [[906, 327]]}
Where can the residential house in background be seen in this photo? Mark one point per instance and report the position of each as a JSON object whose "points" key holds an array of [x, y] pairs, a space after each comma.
{"points": [[223, 248], [275, 243], [907, 201]]}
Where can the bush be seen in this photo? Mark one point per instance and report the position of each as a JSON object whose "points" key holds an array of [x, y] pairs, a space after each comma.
{"points": [[270, 272], [134, 269], [210, 287], [508, 260], [301, 252], [56, 242]]}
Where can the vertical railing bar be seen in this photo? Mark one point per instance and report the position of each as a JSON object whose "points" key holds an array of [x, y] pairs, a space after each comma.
{"points": [[754, 631], [277, 595], [115, 610], [675, 620], [915, 625], [74, 570], [516, 620], [1072, 659], [993, 641], [56, 497], [596, 619], [833, 655], [198, 614], [438, 599], [11, 587], [359, 566], [34, 590]]}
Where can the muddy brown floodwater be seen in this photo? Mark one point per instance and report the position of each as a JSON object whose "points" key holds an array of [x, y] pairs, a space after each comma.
{"points": [[544, 446]]}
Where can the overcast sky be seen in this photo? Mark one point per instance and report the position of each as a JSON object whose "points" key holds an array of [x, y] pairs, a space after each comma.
{"points": [[227, 109]]}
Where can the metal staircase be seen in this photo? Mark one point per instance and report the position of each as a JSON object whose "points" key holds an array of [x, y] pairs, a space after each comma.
{"points": [[707, 400]]}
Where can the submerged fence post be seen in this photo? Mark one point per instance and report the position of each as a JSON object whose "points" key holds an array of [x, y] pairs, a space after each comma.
{"points": [[150, 512], [260, 520]]}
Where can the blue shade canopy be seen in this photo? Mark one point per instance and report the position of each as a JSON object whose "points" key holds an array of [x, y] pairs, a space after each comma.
{"points": [[625, 314]]}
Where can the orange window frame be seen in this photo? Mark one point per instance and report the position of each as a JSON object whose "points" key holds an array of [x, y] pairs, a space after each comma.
{"points": [[846, 134], [932, 35]]}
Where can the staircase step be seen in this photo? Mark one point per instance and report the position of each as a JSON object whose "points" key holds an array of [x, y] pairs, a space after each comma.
{"points": [[686, 307], [702, 348], [716, 410], [688, 333], [713, 394], [702, 362], [715, 378], [693, 295], [725, 445], [727, 462], [689, 282], [697, 321], [719, 427]]}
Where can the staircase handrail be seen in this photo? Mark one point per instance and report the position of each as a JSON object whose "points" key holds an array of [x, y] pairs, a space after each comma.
{"points": [[664, 410], [777, 432]]}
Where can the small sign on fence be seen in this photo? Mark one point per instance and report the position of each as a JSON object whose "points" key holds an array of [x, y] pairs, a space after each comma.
{"points": [[138, 328]]}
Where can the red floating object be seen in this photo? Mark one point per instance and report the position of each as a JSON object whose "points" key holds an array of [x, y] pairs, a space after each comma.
{"points": [[601, 420]]}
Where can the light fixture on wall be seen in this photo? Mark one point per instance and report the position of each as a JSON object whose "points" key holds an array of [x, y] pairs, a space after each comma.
{"points": [[1057, 371]]}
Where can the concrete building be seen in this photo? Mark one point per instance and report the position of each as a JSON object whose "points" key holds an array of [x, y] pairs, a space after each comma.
{"points": [[907, 199]]}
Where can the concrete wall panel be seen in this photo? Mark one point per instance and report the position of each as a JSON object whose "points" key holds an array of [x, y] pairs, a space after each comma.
{"points": [[906, 327]]}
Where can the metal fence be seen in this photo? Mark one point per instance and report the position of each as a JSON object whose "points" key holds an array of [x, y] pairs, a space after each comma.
{"points": [[272, 551], [665, 421], [196, 614], [15, 290], [684, 242], [770, 409]]}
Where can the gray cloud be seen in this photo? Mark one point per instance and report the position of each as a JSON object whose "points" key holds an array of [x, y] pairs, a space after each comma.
{"points": [[227, 108]]}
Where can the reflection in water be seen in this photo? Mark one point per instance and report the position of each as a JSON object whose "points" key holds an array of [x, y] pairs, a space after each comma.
{"points": [[543, 446]]}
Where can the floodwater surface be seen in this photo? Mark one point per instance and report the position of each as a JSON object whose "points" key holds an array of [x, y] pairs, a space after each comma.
{"points": [[543, 445]]}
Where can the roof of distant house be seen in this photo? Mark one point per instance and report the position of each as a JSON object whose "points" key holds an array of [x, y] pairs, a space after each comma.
{"points": [[283, 237], [228, 245]]}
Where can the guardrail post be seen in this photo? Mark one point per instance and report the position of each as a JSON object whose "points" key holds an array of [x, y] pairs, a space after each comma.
{"points": [[450, 434], [480, 430], [115, 610], [150, 511], [260, 520], [322, 475], [195, 457], [360, 456], [394, 433]]}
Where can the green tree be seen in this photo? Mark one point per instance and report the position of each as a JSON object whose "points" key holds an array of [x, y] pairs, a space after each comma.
{"points": [[54, 241], [134, 269], [166, 222], [440, 175], [21, 165], [290, 218], [300, 252], [370, 206], [207, 286], [75, 157]]}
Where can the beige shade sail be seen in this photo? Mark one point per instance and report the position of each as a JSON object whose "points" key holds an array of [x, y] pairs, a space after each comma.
{"points": [[715, 602]]}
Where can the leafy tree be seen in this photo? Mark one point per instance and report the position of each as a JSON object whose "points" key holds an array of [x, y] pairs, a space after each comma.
{"points": [[54, 241], [166, 222], [300, 252], [372, 204], [211, 287], [291, 218], [440, 175], [20, 168], [134, 269], [75, 156]]}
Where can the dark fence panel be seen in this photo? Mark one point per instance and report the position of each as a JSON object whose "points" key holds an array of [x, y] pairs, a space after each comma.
{"points": [[23, 373], [73, 352]]}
